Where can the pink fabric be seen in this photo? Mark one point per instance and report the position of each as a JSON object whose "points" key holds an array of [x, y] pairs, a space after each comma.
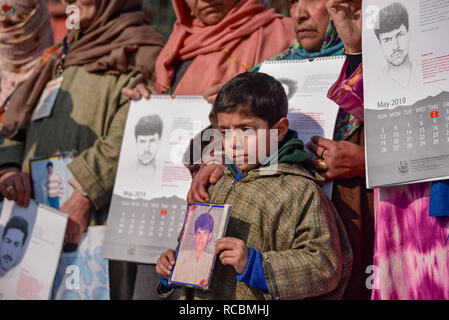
{"points": [[411, 252], [249, 34], [25, 33], [348, 92]]}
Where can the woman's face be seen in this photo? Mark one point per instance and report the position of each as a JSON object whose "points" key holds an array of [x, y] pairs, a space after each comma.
{"points": [[311, 20], [210, 12], [87, 11]]}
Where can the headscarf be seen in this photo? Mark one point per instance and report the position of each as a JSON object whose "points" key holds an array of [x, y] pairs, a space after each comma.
{"points": [[118, 40], [249, 34], [346, 123], [25, 33]]}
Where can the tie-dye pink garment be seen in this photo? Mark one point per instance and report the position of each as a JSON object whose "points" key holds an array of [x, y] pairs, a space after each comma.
{"points": [[411, 251]]}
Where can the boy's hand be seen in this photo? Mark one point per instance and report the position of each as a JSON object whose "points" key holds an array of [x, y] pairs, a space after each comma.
{"points": [[165, 264], [233, 252]]}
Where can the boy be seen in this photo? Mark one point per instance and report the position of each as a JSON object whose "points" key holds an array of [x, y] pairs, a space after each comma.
{"points": [[285, 239]]}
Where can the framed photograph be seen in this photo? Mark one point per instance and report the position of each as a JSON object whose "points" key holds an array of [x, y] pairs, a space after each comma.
{"points": [[51, 179], [195, 259]]}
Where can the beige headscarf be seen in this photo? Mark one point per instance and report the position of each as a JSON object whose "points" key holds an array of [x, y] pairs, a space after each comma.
{"points": [[118, 40], [25, 33]]}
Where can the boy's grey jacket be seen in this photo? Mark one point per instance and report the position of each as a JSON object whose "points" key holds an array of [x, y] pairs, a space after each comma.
{"points": [[286, 216]]}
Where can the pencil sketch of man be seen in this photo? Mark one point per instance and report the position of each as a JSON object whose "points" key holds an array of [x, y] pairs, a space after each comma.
{"points": [[392, 32], [148, 133], [12, 243]]}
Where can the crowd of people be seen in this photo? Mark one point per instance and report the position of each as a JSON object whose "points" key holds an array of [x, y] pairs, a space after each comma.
{"points": [[297, 244]]}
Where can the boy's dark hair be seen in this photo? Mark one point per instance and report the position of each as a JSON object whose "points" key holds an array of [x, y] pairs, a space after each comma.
{"points": [[50, 164], [17, 223], [391, 18], [253, 93], [205, 222], [148, 126]]}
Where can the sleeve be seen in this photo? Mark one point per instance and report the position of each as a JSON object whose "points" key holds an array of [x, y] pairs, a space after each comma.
{"points": [[11, 153], [254, 274], [320, 257], [95, 168], [347, 92]]}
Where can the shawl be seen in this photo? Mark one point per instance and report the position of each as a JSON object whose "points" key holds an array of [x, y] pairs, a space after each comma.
{"points": [[118, 40], [249, 34], [25, 33]]}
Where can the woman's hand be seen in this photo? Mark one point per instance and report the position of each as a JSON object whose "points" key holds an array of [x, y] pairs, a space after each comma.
{"points": [[233, 252], [16, 186], [78, 208], [211, 94], [137, 93], [165, 264], [345, 160], [209, 174], [347, 17]]}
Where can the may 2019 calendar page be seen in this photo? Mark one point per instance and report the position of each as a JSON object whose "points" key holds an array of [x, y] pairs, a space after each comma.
{"points": [[149, 204], [406, 90]]}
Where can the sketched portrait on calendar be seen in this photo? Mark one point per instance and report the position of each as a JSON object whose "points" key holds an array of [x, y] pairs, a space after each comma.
{"points": [[393, 34], [148, 134], [290, 87]]}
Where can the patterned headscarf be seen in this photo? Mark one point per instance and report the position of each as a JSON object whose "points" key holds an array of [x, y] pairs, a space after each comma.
{"points": [[25, 33], [332, 46]]}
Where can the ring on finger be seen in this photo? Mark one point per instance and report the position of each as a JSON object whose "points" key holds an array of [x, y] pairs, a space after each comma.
{"points": [[322, 166], [9, 189], [322, 153]]}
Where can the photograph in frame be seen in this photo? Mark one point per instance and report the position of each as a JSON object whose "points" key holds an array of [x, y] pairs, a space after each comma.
{"points": [[195, 257]]}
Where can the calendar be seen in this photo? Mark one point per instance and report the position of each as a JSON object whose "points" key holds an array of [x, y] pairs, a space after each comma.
{"points": [[306, 83], [148, 205], [406, 91]]}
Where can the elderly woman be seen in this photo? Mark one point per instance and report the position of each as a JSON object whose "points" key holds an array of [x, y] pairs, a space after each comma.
{"points": [[411, 235], [114, 48], [317, 36], [25, 33], [213, 42]]}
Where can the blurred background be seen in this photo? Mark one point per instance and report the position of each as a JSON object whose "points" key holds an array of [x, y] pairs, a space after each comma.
{"points": [[160, 11]]}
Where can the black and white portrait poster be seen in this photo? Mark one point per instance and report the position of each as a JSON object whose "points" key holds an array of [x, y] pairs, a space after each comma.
{"points": [[406, 90], [306, 83], [30, 247], [149, 199]]}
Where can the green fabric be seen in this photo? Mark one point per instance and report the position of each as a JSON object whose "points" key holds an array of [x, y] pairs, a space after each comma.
{"points": [[289, 219], [291, 150], [89, 116]]}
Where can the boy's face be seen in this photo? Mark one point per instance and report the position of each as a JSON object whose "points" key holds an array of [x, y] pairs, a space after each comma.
{"points": [[244, 137]]}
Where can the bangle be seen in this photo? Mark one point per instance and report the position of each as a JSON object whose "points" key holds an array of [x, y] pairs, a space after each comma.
{"points": [[352, 53]]}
